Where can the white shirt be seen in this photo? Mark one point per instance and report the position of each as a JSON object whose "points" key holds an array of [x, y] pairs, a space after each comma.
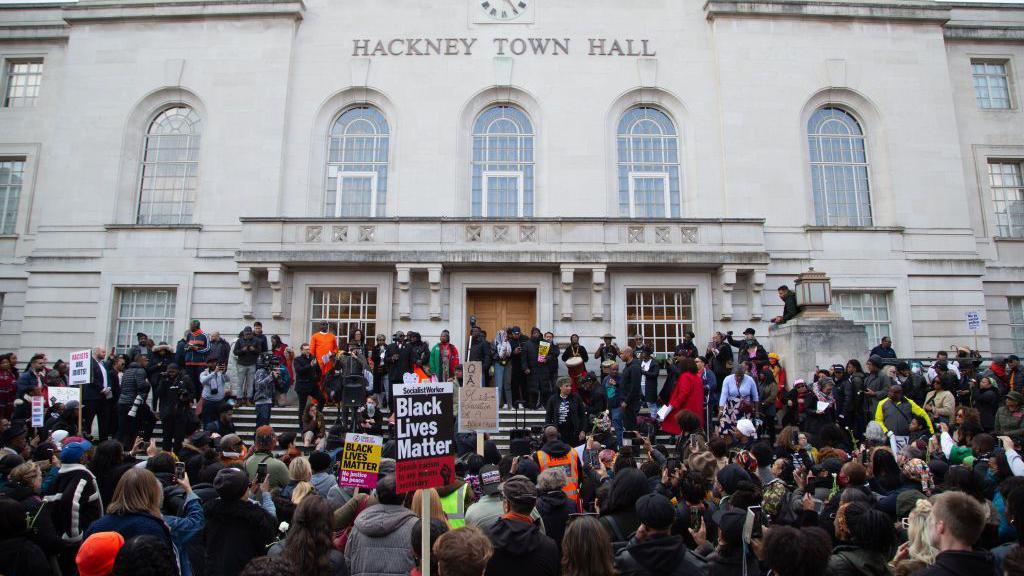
{"points": [[645, 366], [953, 366], [103, 371]]}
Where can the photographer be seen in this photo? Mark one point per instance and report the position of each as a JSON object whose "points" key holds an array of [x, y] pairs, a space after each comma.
{"points": [[176, 394], [134, 388], [214, 381], [268, 380], [307, 380]]}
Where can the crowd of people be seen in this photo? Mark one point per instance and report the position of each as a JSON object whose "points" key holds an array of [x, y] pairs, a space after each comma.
{"points": [[690, 463]]}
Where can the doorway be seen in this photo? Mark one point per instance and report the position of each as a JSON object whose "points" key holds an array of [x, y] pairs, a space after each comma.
{"points": [[496, 309]]}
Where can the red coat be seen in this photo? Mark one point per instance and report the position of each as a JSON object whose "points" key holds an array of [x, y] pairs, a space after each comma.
{"points": [[688, 394]]}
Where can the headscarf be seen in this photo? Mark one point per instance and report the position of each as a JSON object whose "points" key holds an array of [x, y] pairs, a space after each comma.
{"points": [[821, 396], [917, 471]]}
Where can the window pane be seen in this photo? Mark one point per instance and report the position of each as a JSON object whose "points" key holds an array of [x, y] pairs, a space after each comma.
{"points": [[991, 85], [661, 317], [12, 173], [344, 310], [646, 143], [1007, 187], [502, 142], [869, 309], [358, 142], [148, 310], [22, 83], [839, 169], [169, 167]]}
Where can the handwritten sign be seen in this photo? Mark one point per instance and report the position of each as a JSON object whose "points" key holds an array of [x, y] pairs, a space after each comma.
{"points": [[974, 320], [38, 411], [64, 394], [425, 434], [78, 373], [478, 406], [360, 461]]}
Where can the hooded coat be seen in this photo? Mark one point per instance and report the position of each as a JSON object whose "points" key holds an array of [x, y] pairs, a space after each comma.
{"points": [[520, 548], [855, 561], [659, 556], [379, 542], [236, 532]]}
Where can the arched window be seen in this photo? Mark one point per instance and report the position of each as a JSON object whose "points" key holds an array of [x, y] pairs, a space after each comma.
{"points": [[503, 165], [357, 163], [839, 169], [648, 152], [170, 164]]}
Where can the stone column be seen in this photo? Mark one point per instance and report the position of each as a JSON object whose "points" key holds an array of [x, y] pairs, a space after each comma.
{"points": [[247, 279], [404, 280], [597, 282], [566, 302], [275, 277], [727, 279], [434, 278], [757, 279]]}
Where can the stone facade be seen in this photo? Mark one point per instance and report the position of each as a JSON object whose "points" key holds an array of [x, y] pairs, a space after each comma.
{"points": [[739, 79]]}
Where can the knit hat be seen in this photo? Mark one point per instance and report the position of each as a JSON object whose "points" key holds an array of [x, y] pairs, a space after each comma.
{"points": [[73, 452], [96, 555], [655, 511], [730, 524], [528, 468], [319, 461], [230, 483], [747, 461], [773, 355], [747, 428], [58, 436]]}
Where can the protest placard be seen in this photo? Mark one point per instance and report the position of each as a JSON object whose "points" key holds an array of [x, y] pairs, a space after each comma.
{"points": [[360, 461], [64, 394], [38, 411], [478, 406], [78, 368], [425, 434]]}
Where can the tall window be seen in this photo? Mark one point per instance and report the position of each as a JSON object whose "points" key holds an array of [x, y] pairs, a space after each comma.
{"points": [[170, 165], [357, 163], [503, 165], [839, 169], [22, 83], [12, 172], [648, 165], [660, 316], [344, 310], [991, 84], [1007, 198], [148, 310], [869, 309], [1017, 324]]}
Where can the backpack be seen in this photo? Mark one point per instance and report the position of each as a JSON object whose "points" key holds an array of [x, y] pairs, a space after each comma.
{"points": [[777, 503]]}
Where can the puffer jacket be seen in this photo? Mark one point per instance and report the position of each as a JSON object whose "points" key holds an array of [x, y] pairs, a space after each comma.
{"points": [[379, 542], [133, 383], [656, 556], [1009, 425]]}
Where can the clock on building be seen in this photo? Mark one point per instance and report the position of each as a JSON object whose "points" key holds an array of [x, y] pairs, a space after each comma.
{"points": [[504, 10]]}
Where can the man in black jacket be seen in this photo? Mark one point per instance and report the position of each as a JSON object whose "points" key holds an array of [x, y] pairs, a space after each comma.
{"points": [[97, 394], [565, 411], [959, 521], [655, 551], [519, 546], [237, 529], [480, 351], [534, 370], [789, 305], [649, 369], [399, 358], [629, 389], [307, 380], [176, 395]]}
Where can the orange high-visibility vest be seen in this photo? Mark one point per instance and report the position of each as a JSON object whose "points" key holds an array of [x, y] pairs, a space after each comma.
{"points": [[569, 464]]}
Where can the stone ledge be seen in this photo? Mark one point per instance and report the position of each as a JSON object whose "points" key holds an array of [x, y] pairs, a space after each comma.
{"points": [[22, 31], [909, 10], [153, 226], [899, 229], [500, 257], [984, 32], [473, 220], [116, 10]]}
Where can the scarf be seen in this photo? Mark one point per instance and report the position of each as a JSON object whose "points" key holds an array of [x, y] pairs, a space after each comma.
{"points": [[821, 396]]}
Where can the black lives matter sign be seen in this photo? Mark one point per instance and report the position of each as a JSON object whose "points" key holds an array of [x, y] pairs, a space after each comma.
{"points": [[425, 433]]}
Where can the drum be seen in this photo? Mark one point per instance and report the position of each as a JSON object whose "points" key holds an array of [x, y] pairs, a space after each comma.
{"points": [[577, 371]]}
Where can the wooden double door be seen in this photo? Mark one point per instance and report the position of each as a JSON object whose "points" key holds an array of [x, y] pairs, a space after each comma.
{"points": [[499, 309]]}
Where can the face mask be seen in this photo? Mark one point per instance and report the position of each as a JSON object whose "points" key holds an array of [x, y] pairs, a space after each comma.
{"points": [[371, 408]]}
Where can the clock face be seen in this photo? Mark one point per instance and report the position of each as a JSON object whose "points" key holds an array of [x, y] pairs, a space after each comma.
{"points": [[504, 10]]}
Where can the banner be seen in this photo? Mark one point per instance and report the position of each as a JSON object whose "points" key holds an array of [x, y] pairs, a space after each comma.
{"points": [[478, 406], [974, 321], [78, 373], [64, 394], [426, 435], [542, 351], [360, 461], [38, 411]]}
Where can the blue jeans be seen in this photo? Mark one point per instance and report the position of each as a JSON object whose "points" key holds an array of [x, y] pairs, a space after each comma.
{"points": [[263, 414], [616, 416]]}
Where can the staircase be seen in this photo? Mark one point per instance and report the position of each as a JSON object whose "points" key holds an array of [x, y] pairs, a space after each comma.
{"points": [[286, 419]]}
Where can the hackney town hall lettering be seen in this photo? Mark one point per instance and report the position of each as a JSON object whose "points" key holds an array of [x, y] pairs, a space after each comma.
{"points": [[500, 47]]}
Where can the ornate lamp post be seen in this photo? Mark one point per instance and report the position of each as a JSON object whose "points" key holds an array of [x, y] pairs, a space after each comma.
{"points": [[814, 294]]}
